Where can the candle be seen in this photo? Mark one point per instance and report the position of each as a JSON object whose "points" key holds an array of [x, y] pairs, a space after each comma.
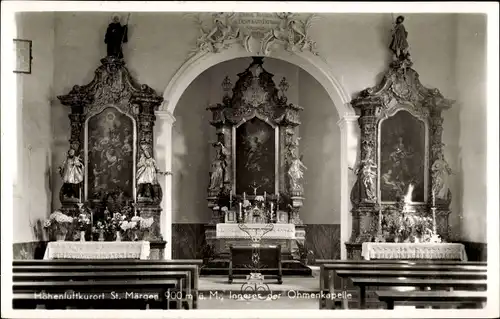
{"points": [[434, 219], [265, 195], [271, 211], [244, 195], [230, 195], [80, 195]]}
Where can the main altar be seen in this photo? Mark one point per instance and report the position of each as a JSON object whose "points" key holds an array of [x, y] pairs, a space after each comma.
{"points": [[256, 176]]}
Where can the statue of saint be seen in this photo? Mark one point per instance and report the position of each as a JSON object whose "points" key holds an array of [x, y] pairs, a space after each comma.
{"points": [[218, 173], [399, 45], [147, 169], [72, 169], [440, 172], [72, 174], [296, 173], [368, 176], [116, 34]]}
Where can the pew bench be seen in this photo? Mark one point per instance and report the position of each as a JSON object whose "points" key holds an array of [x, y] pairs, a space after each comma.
{"points": [[427, 298], [433, 284], [331, 281], [182, 294]]}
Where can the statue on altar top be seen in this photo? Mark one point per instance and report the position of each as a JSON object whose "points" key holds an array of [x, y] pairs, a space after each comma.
{"points": [[296, 173], [116, 35], [399, 45]]}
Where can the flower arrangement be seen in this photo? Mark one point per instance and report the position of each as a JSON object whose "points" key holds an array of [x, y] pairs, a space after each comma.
{"points": [[246, 203], [58, 223], [259, 198], [398, 227], [83, 221]]}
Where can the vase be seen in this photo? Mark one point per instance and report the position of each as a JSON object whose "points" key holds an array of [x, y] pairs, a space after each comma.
{"points": [[118, 236], [61, 234], [101, 235], [82, 235]]}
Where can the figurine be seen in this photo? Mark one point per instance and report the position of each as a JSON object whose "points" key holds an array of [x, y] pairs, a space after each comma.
{"points": [[72, 174], [440, 172], [147, 171], [296, 173], [218, 172], [399, 44], [116, 34]]}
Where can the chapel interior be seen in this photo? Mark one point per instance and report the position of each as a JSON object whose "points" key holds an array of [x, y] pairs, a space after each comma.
{"points": [[306, 141]]}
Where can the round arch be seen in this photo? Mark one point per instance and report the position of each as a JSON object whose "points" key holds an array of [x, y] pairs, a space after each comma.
{"points": [[308, 61], [311, 63]]}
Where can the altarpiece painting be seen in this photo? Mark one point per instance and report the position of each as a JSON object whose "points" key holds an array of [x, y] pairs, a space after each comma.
{"points": [[402, 157], [110, 155], [255, 157]]}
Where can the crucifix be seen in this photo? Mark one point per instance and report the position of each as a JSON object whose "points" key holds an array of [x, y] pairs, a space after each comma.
{"points": [[255, 187]]}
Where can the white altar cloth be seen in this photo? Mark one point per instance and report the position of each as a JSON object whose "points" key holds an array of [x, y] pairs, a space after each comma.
{"points": [[97, 250], [453, 251], [279, 231]]}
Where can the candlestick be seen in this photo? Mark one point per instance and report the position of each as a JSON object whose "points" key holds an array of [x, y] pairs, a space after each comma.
{"points": [[244, 195], [265, 195], [240, 212], [433, 199], [230, 195], [135, 210], [80, 195], [272, 212], [380, 220], [434, 219]]}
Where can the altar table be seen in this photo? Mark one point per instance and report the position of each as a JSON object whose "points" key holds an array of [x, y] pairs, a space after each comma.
{"points": [[450, 251], [97, 250], [279, 231]]}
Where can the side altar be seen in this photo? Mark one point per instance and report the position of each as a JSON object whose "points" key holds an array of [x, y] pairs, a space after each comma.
{"points": [[256, 177], [401, 152]]}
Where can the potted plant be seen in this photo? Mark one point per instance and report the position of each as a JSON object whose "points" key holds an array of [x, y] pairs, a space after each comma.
{"points": [[306, 256], [58, 224], [82, 224]]}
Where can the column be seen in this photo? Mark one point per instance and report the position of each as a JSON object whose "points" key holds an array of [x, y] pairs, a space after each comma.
{"points": [[348, 149], [163, 156]]}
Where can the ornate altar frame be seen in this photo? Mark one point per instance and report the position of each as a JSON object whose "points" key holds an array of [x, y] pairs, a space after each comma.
{"points": [[113, 86], [256, 96], [400, 90]]}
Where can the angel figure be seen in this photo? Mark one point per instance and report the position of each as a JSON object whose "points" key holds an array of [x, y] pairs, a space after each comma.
{"points": [[296, 173], [440, 172]]}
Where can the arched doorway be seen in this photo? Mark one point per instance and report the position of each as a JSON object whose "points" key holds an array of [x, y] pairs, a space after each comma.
{"points": [[309, 62]]}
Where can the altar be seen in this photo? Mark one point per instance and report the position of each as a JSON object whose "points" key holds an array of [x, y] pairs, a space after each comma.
{"points": [[97, 250], [256, 188]]}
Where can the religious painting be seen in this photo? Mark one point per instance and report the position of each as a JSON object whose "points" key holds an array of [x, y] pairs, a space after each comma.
{"points": [[110, 156], [402, 157], [255, 157]]}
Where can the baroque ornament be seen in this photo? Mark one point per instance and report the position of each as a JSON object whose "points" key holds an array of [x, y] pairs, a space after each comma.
{"points": [[258, 33]]}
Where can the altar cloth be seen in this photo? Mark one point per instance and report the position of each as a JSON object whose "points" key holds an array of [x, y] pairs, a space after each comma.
{"points": [[279, 231], [450, 251], [97, 250]]}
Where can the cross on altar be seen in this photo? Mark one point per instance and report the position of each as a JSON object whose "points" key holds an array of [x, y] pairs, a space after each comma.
{"points": [[255, 187]]}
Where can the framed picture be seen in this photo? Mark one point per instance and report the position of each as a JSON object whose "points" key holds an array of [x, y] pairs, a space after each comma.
{"points": [[22, 53], [282, 217], [230, 217]]}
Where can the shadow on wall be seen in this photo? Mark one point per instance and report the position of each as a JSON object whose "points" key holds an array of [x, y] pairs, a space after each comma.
{"points": [[32, 250]]}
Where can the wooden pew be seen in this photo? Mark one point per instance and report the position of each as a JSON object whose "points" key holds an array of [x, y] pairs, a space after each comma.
{"points": [[432, 297], [363, 283], [125, 268], [329, 279], [101, 294]]}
